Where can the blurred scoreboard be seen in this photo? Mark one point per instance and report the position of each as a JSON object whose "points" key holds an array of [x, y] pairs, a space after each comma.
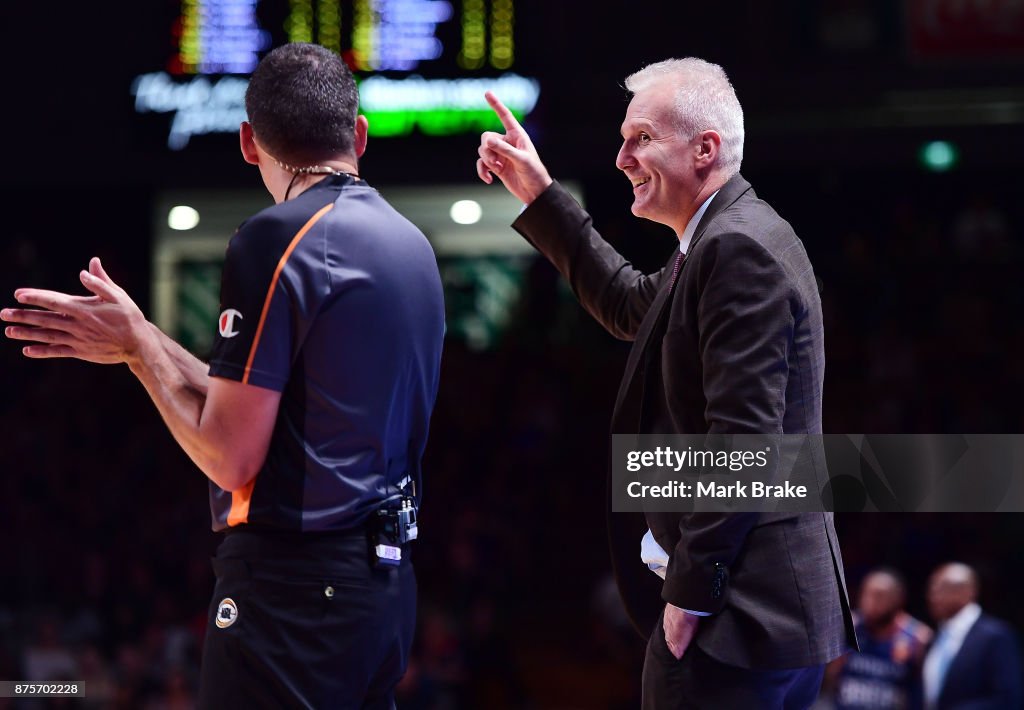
{"points": [[422, 65]]}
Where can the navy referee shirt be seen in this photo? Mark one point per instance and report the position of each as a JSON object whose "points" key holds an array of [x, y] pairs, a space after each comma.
{"points": [[333, 299]]}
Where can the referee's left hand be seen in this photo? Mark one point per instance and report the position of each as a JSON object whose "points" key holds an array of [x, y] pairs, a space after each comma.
{"points": [[103, 328]]}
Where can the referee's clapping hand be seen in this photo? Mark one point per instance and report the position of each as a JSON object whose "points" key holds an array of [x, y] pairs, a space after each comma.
{"points": [[103, 328]]}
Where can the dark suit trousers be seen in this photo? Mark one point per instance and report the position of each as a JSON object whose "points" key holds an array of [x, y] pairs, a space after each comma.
{"points": [[699, 682]]}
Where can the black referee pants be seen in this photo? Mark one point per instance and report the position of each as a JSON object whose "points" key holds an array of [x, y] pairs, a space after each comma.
{"points": [[302, 620]]}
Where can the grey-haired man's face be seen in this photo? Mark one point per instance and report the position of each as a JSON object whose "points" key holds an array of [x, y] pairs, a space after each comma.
{"points": [[658, 161]]}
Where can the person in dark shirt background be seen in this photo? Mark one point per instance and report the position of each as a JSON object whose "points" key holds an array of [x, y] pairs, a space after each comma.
{"points": [[311, 419], [886, 673]]}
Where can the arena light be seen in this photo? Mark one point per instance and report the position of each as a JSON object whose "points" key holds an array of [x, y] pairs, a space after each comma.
{"points": [[182, 218], [466, 212], [939, 156]]}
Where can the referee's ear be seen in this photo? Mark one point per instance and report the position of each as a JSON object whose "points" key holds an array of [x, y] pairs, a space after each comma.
{"points": [[247, 144], [362, 129]]}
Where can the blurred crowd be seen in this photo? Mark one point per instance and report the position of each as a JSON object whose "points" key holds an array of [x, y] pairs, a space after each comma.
{"points": [[105, 528], [973, 660]]}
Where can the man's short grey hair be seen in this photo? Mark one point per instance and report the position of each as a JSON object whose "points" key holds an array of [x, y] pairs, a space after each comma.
{"points": [[705, 99]]}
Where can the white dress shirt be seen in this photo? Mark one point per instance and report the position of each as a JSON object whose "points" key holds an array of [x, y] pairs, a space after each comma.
{"points": [[948, 640]]}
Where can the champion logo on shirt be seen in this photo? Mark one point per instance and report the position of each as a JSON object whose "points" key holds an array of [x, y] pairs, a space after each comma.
{"points": [[226, 325]]}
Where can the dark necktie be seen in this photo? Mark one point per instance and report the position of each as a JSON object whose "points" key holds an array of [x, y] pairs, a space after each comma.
{"points": [[680, 258]]}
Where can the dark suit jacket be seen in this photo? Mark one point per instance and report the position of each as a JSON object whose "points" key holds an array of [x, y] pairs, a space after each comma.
{"points": [[736, 347], [985, 674]]}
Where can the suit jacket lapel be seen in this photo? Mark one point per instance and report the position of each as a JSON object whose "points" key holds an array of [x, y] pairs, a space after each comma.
{"points": [[967, 651], [624, 420], [635, 354]]}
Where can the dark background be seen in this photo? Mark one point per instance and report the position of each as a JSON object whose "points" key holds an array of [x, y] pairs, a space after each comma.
{"points": [[104, 529]]}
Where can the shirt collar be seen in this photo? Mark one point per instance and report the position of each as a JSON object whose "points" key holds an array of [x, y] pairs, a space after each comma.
{"points": [[691, 226], [962, 621]]}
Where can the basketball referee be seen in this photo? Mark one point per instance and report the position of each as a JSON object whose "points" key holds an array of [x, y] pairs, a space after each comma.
{"points": [[311, 418]]}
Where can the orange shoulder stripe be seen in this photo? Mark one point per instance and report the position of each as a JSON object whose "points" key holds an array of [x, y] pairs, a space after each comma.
{"points": [[239, 512], [273, 285]]}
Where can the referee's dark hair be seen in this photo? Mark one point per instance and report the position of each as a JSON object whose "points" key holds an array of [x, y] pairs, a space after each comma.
{"points": [[302, 102]]}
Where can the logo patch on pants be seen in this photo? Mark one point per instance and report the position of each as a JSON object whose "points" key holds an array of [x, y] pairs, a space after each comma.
{"points": [[227, 613]]}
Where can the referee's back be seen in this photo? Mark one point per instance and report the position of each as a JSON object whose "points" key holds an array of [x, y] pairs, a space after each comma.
{"points": [[334, 299]]}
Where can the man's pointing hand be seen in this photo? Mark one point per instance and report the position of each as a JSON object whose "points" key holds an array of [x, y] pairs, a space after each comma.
{"points": [[511, 157]]}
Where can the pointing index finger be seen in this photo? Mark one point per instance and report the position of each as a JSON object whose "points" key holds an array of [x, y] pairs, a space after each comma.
{"points": [[504, 115]]}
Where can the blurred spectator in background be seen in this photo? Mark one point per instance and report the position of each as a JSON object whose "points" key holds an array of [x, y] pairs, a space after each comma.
{"points": [[975, 661], [887, 671], [48, 660]]}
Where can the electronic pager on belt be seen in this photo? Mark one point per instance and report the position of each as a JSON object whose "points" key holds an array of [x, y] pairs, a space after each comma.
{"points": [[393, 528]]}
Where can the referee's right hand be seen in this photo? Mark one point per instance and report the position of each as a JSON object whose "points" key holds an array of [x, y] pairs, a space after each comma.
{"points": [[104, 328]]}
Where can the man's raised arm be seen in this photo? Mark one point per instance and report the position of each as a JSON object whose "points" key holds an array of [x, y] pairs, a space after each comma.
{"points": [[613, 292]]}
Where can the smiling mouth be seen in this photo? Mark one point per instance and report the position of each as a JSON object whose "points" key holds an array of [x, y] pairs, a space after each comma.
{"points": [[640, 181]]}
